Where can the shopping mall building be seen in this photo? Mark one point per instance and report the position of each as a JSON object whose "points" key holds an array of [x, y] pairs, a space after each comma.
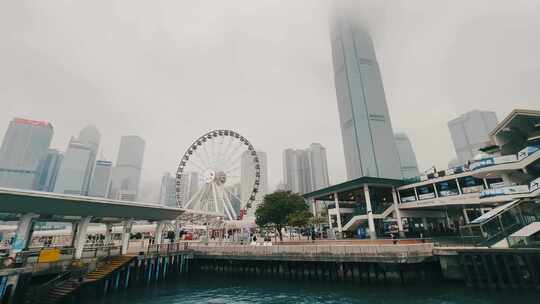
{"points": [[493, 200]]}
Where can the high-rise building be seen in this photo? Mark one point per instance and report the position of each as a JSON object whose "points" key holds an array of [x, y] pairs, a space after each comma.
{"points": [[101, 182], [167, 192], [318, 166], [290, 176], [366, 128], [127, 172], [74, 174], [23, 150], [49, 171], [470, 132], [407, 157], [305, 170], [247, 176], [77, 168]]}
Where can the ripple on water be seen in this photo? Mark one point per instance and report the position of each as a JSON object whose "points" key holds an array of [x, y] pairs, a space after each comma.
{"points": [[223, 290]]}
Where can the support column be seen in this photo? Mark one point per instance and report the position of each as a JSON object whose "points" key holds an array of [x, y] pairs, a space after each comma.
{"points": [[425, 223], [397, 213], [177, 229], [466, 216], [126, 234], [80, 236], [108, 234], [338, 214], [458, 187], [371, 222], [23, 233], [159, 232]]}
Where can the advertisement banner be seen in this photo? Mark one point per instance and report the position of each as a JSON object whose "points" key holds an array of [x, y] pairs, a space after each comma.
{"points": [[535, 184], [426, 196], [486, 162], [526, 152], [472, 189]]}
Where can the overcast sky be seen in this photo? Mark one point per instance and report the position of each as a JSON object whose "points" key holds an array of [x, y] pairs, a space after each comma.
{"points": [[169, 71]]}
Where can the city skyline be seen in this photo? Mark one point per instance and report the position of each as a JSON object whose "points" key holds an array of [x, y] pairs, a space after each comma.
{"points": [[422, 69]]}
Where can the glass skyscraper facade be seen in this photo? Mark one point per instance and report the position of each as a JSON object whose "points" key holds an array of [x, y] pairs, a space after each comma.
{"points": [[368, 138], [23, 151], [407, 157], [127, 172]]}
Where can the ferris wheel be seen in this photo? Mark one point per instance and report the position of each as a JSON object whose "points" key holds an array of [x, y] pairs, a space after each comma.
{"points": [[212, 172]]}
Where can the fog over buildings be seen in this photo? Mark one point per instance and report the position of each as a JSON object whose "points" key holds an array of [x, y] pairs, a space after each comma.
{"points": [[171, 71]]}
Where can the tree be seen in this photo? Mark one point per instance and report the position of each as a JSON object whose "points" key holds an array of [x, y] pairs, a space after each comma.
{"points": [[277, 207], [299, 219]]}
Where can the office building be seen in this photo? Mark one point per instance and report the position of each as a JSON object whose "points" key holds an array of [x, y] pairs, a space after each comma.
{"points": [[366, 128], [470, 132], [101, 182], [49, 171], [127, 172], [305, 170], [407, 157], [318, 166], [77, 168], [167, 192], [74, 174], [247, 177], [23, 150]]}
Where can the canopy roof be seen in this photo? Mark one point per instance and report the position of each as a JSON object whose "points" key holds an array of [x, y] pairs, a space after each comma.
{"points": [[52, 204], [512, 132], [327, 194]]}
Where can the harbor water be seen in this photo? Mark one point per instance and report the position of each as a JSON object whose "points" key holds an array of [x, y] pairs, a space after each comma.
{"points": [[219, 289]]}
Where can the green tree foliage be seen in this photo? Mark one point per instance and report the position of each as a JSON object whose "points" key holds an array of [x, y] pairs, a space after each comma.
{"points": [[299, 219], [278, 207]]}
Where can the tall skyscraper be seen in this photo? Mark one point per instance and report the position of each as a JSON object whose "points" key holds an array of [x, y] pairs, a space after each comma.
{"points": [[49, 171], [77, 168], [407, 157], [290, 176], [305, 170], [23, 150], [366, 128], [101, 182], [189, 185], [247, 176], [127, 172], [318, 166], [470, 132], [167, 192]]}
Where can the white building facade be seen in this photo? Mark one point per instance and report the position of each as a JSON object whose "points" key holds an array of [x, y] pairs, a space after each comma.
{"points": [[470, 132]]}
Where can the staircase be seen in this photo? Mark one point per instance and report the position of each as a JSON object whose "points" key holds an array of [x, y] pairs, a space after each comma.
{"points": [[107, 268], [60, 290]]}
